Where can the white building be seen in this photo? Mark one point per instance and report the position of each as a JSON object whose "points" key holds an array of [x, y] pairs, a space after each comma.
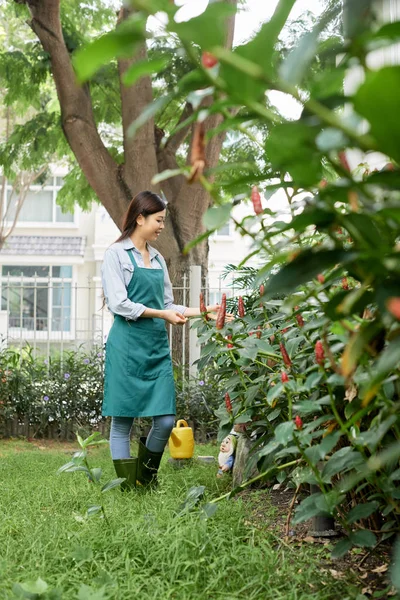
{"points": [[50, 271]]}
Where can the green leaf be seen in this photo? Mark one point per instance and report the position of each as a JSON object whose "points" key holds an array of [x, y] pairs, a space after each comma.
{"points": [[97, 472], [119, 43], [395, 566], [363, 538], [305, 267], [341, 548], [209, 510], [93, 510], [216, 216], [388, 361], [88, 593], [81, 554], [37, 587], [167, 174], [110, 485], [284, 432], [343, 460], [208, 29], [200, 238], [143, 67], [372, 104], [148, 113], [328, 443], [309, 508], [298, 60], [375, 434], [331, 139], [362, 511], [357, 344]]}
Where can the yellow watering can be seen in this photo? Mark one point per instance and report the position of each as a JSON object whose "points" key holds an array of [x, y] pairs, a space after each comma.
{"points": [[181, 441]]}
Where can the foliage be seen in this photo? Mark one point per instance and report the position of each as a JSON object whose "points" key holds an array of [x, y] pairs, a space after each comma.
{"points": [[51, 392], [332, 258], [148, 552], [80, 462]]}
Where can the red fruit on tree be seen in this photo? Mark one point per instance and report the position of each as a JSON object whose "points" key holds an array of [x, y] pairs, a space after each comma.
{"points": [[256, 200], [299, 318], [208, 60], [319, 353], [298, 422]]}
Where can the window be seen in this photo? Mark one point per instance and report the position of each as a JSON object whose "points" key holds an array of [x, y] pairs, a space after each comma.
{"points": [[39, 205], [225, 230], [37, 298]]}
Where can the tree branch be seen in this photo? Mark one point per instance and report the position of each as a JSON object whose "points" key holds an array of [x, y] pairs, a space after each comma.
{"points": [[139, 150], [77, 117]]}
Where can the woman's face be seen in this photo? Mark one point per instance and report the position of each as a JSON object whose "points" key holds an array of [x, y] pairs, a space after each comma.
{"points": [[151, 226]]}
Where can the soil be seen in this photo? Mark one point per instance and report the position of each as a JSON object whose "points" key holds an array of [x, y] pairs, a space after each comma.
{"points": [[368, 568]]}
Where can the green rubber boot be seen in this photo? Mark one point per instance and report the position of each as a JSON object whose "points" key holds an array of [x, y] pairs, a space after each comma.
{"points": [[126, 467], [148, 463]]}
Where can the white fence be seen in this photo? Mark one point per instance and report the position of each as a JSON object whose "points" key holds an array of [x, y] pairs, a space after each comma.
{"points": [[55, 315]]}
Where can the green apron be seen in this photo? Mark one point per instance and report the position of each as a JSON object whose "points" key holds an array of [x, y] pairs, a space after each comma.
{"points": [[138, 378]]}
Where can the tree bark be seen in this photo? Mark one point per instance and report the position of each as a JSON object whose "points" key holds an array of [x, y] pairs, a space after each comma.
{"points": [[116, 184]]}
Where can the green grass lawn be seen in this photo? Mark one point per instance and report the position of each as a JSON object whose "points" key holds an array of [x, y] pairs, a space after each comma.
{"points": [[147, 552]]}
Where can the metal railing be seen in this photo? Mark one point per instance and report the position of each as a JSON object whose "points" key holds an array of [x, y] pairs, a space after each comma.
{"points": [[55, 314]]}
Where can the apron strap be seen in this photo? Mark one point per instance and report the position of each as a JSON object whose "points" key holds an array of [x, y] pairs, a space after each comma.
{"points": [[133, 260]]}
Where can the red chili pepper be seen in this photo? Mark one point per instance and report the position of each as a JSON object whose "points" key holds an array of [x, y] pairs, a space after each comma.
{"points": [[321, 278], [345, 284], [228, 403], [299, 318], [393, 306], [208, 60], [229, 337], [256, 200], [221, 313], [285, 355], [284, 377], [241, 310], [203, 308], [319, 353], [298, 422]]}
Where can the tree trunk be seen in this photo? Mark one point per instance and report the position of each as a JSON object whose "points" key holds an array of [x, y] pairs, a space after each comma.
{"points": [[116, 184]]}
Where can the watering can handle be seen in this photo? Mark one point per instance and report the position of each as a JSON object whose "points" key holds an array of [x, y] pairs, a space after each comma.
{"points": [[182, 423]]}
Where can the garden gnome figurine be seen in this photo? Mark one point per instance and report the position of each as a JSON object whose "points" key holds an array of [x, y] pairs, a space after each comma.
{"points": [[226, 456]]}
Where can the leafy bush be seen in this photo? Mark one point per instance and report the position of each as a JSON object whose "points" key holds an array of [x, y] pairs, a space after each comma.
{"points": [[45, 393]]}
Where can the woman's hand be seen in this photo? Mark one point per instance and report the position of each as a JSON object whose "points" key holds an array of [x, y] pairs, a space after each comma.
{"points": [[212, 312], [173, 317]]}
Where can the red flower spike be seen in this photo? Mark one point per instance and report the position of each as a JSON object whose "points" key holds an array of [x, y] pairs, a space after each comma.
{"points": [[285, 329], [345, 284], [284, 377], [321, 278], [229, 337], [241, 310], [299, 318], [259, 332], [393, 306], [298, 422], [285, 355], [256, 200], [221, 313], [319, 353], [208, 60], [262, 290], [228, 403], [203, 308]]}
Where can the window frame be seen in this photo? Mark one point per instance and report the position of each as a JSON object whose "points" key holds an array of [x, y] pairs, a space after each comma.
{"points": [[54, 188]]}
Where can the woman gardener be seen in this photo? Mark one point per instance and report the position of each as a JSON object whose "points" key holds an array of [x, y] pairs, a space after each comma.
{"points": [[138, 369]]}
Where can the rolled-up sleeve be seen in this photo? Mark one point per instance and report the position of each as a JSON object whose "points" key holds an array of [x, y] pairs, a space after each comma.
{"points": [[168, 295], [115, 292]]}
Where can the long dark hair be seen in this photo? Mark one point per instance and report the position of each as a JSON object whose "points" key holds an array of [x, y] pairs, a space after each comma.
{"points": [[144, 203]]}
